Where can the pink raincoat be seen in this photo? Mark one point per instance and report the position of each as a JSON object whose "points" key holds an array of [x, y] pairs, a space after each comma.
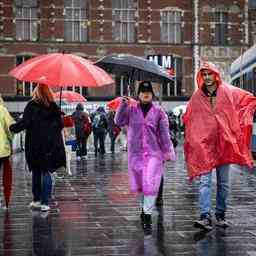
{"points": [[149, 145], [221, 135]]}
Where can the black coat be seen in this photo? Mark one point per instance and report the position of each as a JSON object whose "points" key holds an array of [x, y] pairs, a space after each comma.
{"points": [[44, 147]]}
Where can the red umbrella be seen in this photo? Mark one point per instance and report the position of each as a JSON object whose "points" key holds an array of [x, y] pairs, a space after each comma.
{"points": [[114, 104], [60, 69], [7, 181], [69, 96]]}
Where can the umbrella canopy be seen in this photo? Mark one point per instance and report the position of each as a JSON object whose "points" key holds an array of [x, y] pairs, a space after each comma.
{"points": [[60, 70], [134, 67], [69, 96], [176, 111], [114, 104], [7, 181]]}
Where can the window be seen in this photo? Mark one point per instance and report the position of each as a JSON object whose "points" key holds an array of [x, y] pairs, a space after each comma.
{"points": [[252, 4], [124, 20], [171, 27], [221, 27], [75, 20], [26, 20], [24, 88]]}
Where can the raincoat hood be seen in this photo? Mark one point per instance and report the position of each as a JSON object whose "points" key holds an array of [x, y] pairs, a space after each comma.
{"points": [[79, 107], [209, 66]]}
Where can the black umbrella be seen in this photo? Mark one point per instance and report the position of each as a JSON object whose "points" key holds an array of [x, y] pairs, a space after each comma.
{"points": [[134, 67]]}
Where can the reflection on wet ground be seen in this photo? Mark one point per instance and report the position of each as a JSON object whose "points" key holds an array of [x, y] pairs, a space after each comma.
{"points": [[93, 213]]}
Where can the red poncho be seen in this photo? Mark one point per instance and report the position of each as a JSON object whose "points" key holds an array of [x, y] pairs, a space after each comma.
{"points": [[221, 135]]}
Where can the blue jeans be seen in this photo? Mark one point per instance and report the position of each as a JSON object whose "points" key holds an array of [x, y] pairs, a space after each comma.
{"points": [[41, 186], [222, 175]]}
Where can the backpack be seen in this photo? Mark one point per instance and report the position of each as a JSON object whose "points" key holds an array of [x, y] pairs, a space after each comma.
{"points": [[97, 121]]}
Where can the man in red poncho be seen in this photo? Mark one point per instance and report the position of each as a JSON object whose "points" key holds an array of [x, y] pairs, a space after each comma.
{"points": [[218, 124]]}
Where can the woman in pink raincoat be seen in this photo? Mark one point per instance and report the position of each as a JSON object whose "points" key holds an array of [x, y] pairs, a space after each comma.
{"points": [[149, 146]]}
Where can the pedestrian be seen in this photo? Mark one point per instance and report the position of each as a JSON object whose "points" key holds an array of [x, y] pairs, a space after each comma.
{"points": [[81, 119], [113, 130], [173, 136], [5, 134], [218, 124], [149, 146], [44, 147], [99, 128]]}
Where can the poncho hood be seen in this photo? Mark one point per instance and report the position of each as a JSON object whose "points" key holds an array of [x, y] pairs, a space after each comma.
{"points": [[209, 66]]}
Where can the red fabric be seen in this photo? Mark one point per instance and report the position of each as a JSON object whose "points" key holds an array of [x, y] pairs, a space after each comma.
{"points": [[116, 130], [68, 121], [7, 181], [87, 127], [115, 103], [69, 96], [58, 69], [221, 135]]}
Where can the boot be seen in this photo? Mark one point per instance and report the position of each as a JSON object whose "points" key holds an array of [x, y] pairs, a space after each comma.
{"points": [[147, 225], [147, 221]]}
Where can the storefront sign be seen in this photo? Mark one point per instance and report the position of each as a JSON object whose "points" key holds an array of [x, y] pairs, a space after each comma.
{"points": [[166, 61]]}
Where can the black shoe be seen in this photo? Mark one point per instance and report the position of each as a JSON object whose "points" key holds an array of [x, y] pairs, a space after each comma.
{"points": [[147, 224], [204, 223], [221, 221]]}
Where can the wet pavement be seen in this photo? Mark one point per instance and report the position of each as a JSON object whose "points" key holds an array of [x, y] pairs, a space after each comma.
{"points": [[92, 213]]}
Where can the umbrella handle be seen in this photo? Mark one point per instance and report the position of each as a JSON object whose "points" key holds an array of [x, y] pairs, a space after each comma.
{"points": [[60, 95]]}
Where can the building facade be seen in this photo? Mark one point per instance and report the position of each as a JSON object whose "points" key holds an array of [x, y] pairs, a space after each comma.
{"points": [[188, 31]]}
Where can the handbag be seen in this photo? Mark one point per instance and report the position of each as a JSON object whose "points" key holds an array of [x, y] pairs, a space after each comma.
{"points": [[87, 128]]}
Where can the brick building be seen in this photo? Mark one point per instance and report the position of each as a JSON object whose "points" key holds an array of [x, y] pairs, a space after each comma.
{"points": [[185, 30]]}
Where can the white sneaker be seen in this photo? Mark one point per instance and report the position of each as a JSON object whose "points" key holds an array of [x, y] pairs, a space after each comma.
{"points": [[35, 205], [85, 157], [45, 208], [78, 158]]}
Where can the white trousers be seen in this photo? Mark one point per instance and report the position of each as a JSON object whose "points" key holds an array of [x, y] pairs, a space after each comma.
{"points": [[148, 203]]}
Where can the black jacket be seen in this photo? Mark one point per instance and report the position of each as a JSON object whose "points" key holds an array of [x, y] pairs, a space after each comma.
{"points": [[44, 147]]}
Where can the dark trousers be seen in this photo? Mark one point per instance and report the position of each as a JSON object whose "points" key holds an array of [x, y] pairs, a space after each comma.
{"points": [[99, 137], [2, 159], [112, 142], [81, 146], [41, 186], [160, 191]]}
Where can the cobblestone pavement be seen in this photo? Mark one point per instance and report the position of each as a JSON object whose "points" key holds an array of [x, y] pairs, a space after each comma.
{"points": [[92, 213]]}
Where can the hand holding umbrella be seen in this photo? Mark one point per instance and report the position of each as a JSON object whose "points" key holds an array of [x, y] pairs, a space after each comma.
{"points": [[115, 103]]}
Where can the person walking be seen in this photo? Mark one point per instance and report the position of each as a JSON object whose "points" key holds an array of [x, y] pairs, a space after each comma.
{"points": [[149, 146], [99, 128], [113, 130], [44, 147], [218, 125], [5, 134], [81, 119]]}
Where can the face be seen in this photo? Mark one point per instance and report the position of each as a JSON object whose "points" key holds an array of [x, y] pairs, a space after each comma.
{"points": [[208, 77], [145, 97]]}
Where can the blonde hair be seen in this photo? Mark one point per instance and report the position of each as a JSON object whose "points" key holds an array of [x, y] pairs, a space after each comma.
{"points": [[43, 94]]}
